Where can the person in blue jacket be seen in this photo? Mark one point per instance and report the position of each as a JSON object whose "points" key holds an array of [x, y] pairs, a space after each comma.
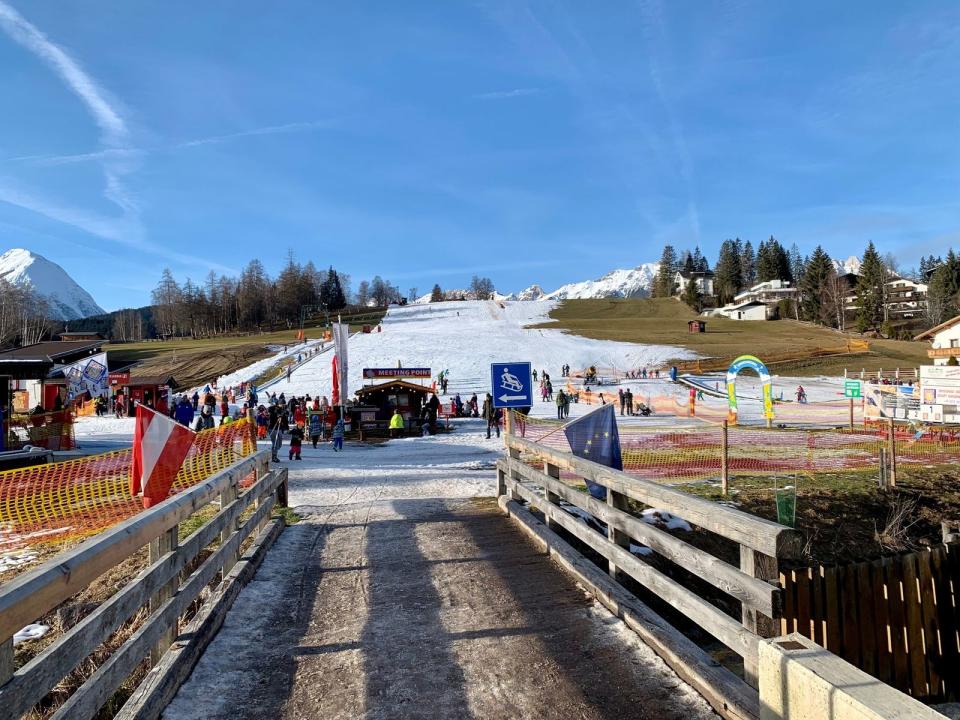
{"points": [[338, 431], [184, 411]]}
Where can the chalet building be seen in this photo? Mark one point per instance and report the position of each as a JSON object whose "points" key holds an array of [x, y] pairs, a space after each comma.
{"points": [[944, 341], [703, 280]]}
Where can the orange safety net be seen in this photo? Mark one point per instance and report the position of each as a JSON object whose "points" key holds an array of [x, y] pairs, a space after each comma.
{"points": [[51, 431], [65, 501], [689, 454]]}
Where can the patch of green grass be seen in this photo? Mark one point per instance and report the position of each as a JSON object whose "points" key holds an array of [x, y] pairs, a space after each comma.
{"points": [[288, 514], [663, 321]]}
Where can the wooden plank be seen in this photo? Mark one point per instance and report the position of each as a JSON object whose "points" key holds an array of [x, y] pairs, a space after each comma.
{"points": [[149, 699], [881, 619], [227, 496], [725, 692], [90, 697], [911, 602], [159, 548], [818, 611], [834, 618], [6, 660], [933, 655], [619, 502], [901, 665], [789, 583], [866, 626], [31, 595], [765, 536], [848, 605], [756, 593], [946, 587], [723, 627], [553, 471], [803, 603], [35, 679], [763, 567]]}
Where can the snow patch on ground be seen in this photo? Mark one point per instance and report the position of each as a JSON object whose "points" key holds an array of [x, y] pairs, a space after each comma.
{"points": [[33, 631], [663, 519], [11, 560]]}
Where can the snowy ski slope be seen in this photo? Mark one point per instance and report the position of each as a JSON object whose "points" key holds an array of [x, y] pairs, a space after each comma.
{"points": [[465, 337]]}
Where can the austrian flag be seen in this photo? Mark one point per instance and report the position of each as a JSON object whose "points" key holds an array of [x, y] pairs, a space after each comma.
{"points": [[159, 448]]}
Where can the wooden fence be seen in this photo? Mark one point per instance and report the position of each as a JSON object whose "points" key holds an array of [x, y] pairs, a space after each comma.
{"points": [[713, 364], [753, 583], [896, 618], [160, 586]]}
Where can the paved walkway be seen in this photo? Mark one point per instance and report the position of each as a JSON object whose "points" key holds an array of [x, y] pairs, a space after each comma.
{"points": [[423, 608]]}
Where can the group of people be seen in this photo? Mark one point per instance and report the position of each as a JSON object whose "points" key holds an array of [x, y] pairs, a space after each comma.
{"points": [[458, 408], [626, 404], [301, 418], [563, 405], [643, 374]]}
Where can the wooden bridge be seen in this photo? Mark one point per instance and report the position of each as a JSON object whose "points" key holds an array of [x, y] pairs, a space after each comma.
{"points": [[412, 608]]}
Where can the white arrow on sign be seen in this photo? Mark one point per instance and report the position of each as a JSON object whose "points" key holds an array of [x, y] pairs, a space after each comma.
{"points": [[508, 398]]}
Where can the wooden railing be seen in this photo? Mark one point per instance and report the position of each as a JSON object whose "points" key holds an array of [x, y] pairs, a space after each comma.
{"points": [[753, 583], [158, 586]]}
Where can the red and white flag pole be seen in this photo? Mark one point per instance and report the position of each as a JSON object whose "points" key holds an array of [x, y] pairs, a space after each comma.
{"points": [[160, 446]]}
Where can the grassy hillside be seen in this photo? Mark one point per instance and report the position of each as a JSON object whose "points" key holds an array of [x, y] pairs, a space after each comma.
{"points": [[663, 321], [192, 361]]}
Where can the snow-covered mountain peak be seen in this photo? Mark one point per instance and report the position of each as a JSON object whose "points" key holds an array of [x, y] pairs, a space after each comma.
{"points": [[67, 300], [850, 265], [633, 283]]}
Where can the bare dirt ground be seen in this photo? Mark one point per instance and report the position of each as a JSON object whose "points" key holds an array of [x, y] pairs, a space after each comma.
{"points": [[423, 609]]}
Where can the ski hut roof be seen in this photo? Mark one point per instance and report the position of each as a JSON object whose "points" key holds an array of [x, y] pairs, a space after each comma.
{"points": [[394, 386]]}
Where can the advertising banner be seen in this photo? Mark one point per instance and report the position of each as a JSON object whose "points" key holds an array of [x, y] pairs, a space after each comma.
{"points": [[374, 373], [88, 375]]}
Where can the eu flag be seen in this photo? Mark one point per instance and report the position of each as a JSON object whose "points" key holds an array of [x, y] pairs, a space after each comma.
{"points": [[595, 437]]}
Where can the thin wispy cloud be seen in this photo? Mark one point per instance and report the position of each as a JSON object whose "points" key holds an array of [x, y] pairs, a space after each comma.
{"points": [[135, 153], [507, 94], [117, 157], [107, 117]]}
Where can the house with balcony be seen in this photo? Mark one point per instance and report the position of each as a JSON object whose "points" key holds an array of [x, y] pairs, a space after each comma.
{"points": [[703, 280], [944, 341]]}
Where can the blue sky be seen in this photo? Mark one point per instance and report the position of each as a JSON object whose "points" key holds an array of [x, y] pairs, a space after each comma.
{"points": [[426, 141]]}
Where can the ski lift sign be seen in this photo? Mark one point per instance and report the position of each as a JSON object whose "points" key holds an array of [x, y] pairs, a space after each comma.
{"points": [[511, 385]]}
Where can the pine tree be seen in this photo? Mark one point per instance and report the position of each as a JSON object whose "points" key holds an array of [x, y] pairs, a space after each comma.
{"points": [[748, 270], [797, 264], [816, 288], [728, 280], [436, 295], [692, 295], [331, 292], [663, 285], [698, 261], [943, 291], [870, 289]]}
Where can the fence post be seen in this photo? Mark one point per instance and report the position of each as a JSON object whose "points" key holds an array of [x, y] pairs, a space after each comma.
{"points": [[724, 461], [851, 413], [168, 541], [758, 565], [228, 495], [893, 454], [6, 660], [549, 497], [618, 501], [882, 479]]}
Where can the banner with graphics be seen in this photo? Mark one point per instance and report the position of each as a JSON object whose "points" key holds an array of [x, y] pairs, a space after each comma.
{"points": [[88, 376], [341, 337]]}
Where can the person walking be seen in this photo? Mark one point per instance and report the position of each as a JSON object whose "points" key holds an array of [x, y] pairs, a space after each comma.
{"points": [[316, 427], [296, 440], [489, 414], [623, 400], [628, 396], [274, 416], [561, 402], [339, 430], [397, 425], [566, 407]]}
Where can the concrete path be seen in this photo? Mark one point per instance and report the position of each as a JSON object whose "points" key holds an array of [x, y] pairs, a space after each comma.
{"points": [[420, 608]]}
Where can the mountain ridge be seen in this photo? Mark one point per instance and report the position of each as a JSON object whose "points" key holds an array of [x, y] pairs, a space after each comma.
{"points": [[66, 299]]}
